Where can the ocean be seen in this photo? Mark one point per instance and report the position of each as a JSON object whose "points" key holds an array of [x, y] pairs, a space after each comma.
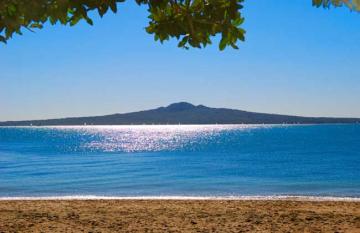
{"points": [[180, 161]]}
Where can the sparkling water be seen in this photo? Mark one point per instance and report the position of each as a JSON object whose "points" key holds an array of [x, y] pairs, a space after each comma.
{"points": [[181, 160]]}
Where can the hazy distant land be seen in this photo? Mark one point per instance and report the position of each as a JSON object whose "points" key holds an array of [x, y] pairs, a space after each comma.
{"points": [[184, 113]]}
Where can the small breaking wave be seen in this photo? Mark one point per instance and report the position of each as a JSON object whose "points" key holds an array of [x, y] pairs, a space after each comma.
{"points": [[186, 198]]}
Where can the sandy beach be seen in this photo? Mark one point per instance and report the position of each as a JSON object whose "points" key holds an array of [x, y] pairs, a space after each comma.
{"points": [[179, 216]]}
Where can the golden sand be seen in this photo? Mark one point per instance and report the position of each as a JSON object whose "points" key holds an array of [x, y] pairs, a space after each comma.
{"points": [[179, 216]]}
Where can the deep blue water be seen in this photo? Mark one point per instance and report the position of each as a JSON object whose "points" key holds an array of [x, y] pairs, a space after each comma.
{"points": [[321, 160]]}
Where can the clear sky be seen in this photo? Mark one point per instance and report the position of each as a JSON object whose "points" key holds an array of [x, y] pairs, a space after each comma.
{"points": [[297, 59]]}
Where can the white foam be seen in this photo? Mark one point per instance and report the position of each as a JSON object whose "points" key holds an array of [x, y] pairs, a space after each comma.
{"points": [[199, 198]]}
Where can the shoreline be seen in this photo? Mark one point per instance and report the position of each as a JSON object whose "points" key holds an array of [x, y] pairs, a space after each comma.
{"points": [[298, 198]]}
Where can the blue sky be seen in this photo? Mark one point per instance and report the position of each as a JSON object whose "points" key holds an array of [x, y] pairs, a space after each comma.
{"points": [[297, 59]]}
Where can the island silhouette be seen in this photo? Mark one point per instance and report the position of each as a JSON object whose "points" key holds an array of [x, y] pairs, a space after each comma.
{"points": [[184, 113]]}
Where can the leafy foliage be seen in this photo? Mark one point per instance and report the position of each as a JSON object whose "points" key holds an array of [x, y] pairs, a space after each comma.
{"points": [[352, 4], [192, 22], [15, 14]]}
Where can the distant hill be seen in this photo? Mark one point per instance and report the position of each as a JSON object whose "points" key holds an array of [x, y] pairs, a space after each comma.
{"points": [[184, 113]]}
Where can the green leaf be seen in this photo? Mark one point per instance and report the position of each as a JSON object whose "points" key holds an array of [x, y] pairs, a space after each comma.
{"points": [[223, 43], [237, 22], [234, 46], [183, 42], [89, 21], [113, 6]]}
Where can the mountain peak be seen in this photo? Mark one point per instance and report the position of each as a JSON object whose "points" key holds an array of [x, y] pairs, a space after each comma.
{"points": [[181, 106], [184, 113]]}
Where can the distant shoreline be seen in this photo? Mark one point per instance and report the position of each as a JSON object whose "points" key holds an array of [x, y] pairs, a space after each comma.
{"points": [[249, 124]]}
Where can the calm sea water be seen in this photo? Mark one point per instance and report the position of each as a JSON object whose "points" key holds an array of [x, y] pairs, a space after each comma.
{"points": [[212, 160]]}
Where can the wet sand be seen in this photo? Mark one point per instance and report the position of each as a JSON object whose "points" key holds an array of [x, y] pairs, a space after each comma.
{"points": [[179, 216]]}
